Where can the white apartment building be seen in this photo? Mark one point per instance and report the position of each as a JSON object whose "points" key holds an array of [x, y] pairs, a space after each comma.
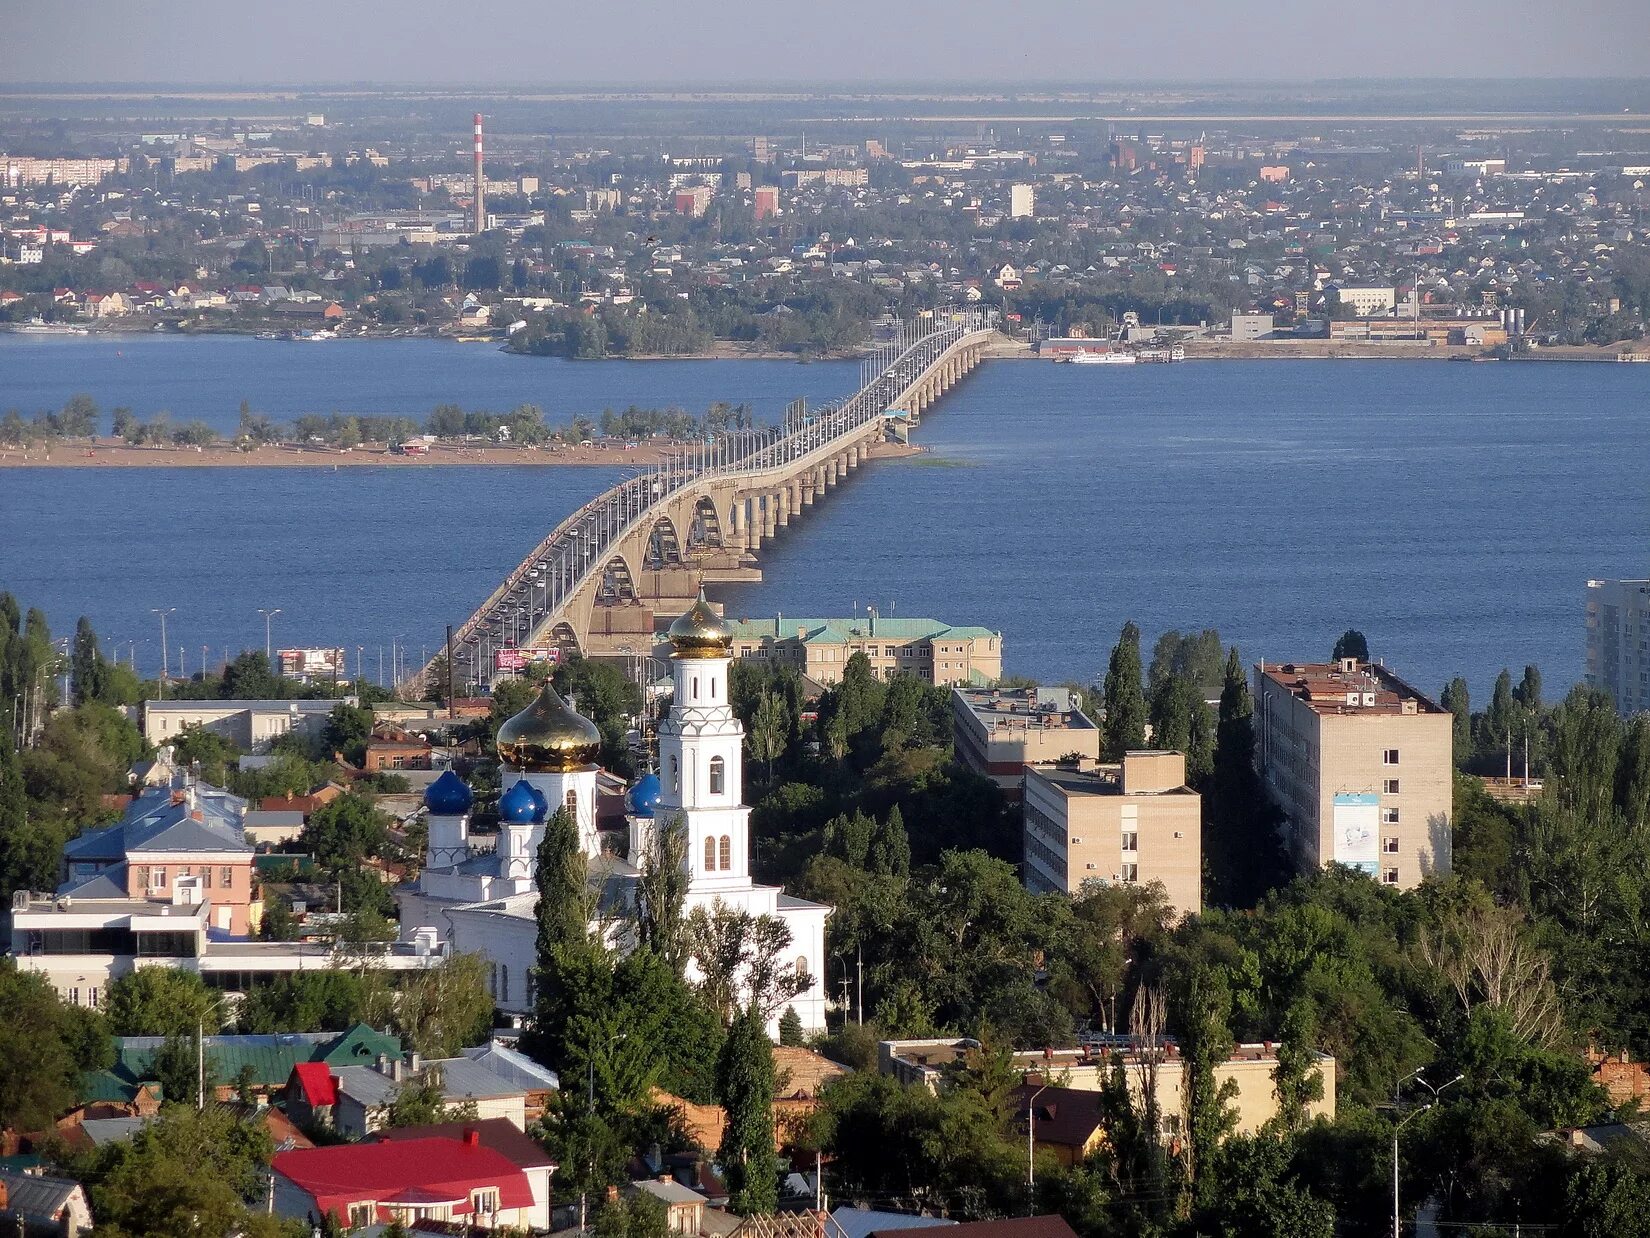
{"points": [[1618, 642], [1022, 202]]}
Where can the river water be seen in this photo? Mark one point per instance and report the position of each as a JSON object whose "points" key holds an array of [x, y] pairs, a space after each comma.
{"points": [[1452, 512]]}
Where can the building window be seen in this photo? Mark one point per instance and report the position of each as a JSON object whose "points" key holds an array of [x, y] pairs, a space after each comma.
{"points": [[226, 877], [696, 687], [1389, 757], [1389, 816], [1131, 873], [718, 774], [485, 1202], [74, 995], [1131, 840], [1389, 844], [727, 853], [91, 998], [1389, 877], [571, 802], [801, 967], [1389, 787], [710, 854], [157, 879], [503, 982], [675, 775], [206, 876]]}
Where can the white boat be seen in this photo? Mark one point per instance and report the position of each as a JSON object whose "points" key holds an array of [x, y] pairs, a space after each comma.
{"points": [[36, 327], [1109, 357]]}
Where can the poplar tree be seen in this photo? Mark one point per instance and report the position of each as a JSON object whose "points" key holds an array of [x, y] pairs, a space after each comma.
{"points": [[1125, 725], [89, 672], [562, 911], [744, 1089]]}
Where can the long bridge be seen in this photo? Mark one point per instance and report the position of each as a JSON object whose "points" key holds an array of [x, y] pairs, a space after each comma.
{"points": [[644, 546]]}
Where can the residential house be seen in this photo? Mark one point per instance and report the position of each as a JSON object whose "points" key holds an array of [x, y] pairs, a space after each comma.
{"points": [[34, 1203], [406, 1180], [1069, 1122], [500, 1135], [684, 1206], [364, 1093]]}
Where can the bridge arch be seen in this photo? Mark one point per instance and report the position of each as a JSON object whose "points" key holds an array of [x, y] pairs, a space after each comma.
{"points": [[564, 638], [705, 531], [617, 584], [664, 547]]}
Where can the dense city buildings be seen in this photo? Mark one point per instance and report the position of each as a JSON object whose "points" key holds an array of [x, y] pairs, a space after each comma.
{"points": [[250, 725], [934, 652], [998, 732], [1618, 642], [1361, 765], [1130, 823]]}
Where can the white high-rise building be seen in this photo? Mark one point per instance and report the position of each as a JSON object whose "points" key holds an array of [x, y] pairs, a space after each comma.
{"points": [[485, 901], [1022, 202], [1618, 642]]}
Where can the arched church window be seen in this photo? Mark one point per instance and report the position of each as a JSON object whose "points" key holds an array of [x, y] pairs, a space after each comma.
{"points": [[710, 854], [713, 688], [696, 687], [572, 802], [801, 967], [675, 775], [727, 853], [718, 775]]}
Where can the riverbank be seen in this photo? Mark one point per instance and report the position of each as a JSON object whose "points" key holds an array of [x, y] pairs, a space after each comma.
{"points": [[110, 454]]}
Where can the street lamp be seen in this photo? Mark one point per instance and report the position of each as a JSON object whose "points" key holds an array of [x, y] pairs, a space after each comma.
{"points": [[200, 1052], [1402, 1122], [1031, 1145], [268, 615], [165, 667]]}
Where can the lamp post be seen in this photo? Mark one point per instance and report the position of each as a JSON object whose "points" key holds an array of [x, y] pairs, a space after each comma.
{"points": [[165, 667], [268, 616], [200, 1053], [1402, 1122], [1031, 1148]]}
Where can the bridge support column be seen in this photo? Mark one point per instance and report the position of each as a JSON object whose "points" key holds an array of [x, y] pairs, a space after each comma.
{"points": [[770, 516], [783, 502], [737, 514]]}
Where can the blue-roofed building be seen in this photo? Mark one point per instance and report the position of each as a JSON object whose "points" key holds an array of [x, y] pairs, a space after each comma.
{"points": [[848, 1222]]}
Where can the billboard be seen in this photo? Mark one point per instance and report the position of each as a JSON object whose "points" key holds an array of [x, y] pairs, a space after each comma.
{"points": [[517, 660], [1357, 836], [312, 663]]}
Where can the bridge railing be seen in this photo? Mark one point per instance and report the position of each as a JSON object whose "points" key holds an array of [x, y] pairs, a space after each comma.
{"points": [[577, 548]]}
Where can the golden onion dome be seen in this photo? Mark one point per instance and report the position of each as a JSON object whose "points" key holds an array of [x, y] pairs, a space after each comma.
{"points": [[548, 737], [700, 633]]}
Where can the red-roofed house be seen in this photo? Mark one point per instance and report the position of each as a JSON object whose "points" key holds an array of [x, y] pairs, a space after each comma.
{"points": [[311, 1093], [408, 1180]]}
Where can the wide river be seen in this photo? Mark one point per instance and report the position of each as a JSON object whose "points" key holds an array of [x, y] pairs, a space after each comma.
{"points": [[1452, 512]]}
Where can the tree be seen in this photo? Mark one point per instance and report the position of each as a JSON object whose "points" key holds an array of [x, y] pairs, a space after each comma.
{"points": [[1125, 725], [890, 849], [1528, 692], [563, 909], [345, 831], [1455, 699], [441, 1009], [769, 730], [89, 670], [742, 961], [745, 1090], [790, 1027], [347, 729], [176, 1067], [421, 1100], [249, 677], [45, 1046], [662, 893], [1204, 1010], [159, 1001], [1351, 644]]}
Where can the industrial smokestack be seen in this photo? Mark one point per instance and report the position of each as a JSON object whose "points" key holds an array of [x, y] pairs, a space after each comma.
{"points": [[481, 183]]}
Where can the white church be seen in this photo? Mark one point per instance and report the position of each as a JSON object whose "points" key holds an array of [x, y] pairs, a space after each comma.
{"points": [[482, 900]]}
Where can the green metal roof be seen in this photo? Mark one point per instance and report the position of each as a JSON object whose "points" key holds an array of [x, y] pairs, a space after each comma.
{"points": [[845, 631], [270, 1057]]}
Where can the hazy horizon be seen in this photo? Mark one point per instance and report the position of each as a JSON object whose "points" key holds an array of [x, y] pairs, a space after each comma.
{"points": [[642, 44]]}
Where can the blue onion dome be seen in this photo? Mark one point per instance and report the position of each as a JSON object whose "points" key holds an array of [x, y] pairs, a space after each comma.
{"points": [[644, 796], [448, 796], [519, 806], [701, 632], [548, 737], [541, 802]]}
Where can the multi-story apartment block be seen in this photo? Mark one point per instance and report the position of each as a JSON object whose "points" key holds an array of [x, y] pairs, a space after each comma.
{"points": [[1022, 201], [1126, 824], [1618, 642], [820, 648], [17, 171], [250, 725], [999, 733], [1361, 765]]}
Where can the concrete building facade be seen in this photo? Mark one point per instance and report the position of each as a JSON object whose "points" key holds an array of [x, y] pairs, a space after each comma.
{"points": [[1022, 202], [999, 733], [931, 650], [1128, 824], [1618, 642], [1361, 765], [249, 725]]}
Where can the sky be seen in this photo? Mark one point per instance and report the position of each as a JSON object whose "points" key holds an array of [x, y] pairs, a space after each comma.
{"points": [[644, 43]]}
